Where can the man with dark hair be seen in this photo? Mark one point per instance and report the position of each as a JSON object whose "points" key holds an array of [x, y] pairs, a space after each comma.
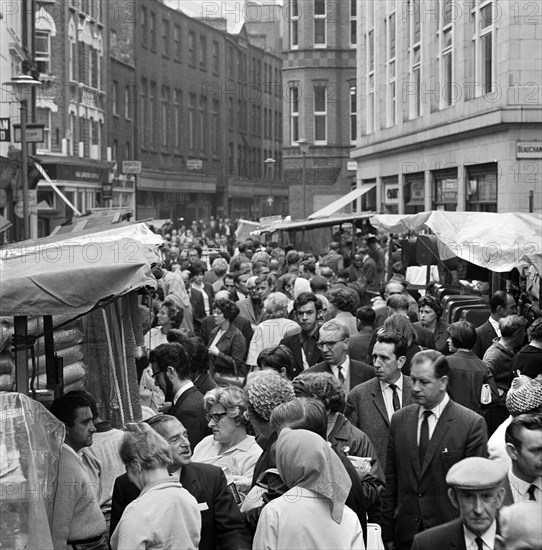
{"points": [[77, 518], [363, 269], [378, 255], [303, 344], [501, 305], [394, 288], [319, 284], [251, 308], [425, 440], [222, 525], [358, 345], [333, 259], [353, 289], [333, 344], [524, 447], [471, 381], [371, 405], [171, 372], [201, 295]]}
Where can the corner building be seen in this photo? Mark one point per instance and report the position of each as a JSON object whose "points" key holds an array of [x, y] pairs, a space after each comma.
{"points": [[450, 105]]}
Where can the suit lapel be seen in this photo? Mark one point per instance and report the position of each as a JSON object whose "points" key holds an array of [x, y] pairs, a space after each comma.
{"points": [[411, 434], [440, 430], [378, 400]]}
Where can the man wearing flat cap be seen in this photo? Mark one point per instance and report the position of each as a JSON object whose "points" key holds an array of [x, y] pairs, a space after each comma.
{"points": [[475, 489]]}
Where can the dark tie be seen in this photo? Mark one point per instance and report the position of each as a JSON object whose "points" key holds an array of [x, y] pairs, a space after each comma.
{"points": [[340, 375], [396, 403], [530, 491], [424, 435], [479, 543]]}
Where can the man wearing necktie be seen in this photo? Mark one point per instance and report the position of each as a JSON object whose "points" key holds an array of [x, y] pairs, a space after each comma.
{"points": [[476, 490], [426, 439], [524, 447], [333, 344]]}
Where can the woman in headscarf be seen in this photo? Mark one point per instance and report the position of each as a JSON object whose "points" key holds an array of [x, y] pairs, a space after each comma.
{"points": [[312, 513]]}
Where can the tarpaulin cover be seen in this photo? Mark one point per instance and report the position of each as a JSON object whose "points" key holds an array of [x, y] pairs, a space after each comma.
{"points": [[30, 442], [497, 242], [70, 278]]}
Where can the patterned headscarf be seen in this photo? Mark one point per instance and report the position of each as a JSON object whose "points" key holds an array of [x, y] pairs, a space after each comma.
{"points": [[304, 459]]}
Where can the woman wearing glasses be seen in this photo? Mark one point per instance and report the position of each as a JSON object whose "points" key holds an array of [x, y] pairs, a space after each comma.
{"points": [[230, 447]]}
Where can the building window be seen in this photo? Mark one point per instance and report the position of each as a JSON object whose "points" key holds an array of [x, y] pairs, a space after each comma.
{"points": [[152, 114], [93, 68], [115, 98], [144, 125], [414, 59], [446, 53], [216, 57], [73, 57], [353, 23], [165, 116], [81, 47], [445, 190], [482, 188], [192, 48], [320, 114], [230, 112], [319, 22], [177, 101], [201, 124], [414, 193], [144, 27], [43, 51], [353, 115], [152, 30], [202, 52], [215, 127], [128, 102], [44, 117], [192, 122], [165, 37], [177, 42], [294, 114], [370, 76], [484, 46], [294, 24], [391, 71]]}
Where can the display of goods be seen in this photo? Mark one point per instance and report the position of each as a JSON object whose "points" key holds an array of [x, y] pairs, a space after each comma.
{"points": [[6, 382], [72, 373], [63, 338], [7, 363], [70, 355]]}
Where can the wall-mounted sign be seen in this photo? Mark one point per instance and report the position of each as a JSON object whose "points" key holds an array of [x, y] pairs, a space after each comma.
{"points": [[391, 194], [352, 165], [5, 133], [529, 149], [194, 164], [131, 167], [35, 133], [107, 191]]}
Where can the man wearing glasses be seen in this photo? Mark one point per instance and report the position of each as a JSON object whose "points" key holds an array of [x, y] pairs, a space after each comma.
{"points": [[333, 344], [171, 373]]}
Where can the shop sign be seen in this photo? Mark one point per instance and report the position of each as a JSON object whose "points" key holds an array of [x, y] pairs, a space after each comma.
{"points": [[107, 191], [194, 164], [352, 166], [529, 149], [391, 194], [35, 133], [131, 167], [5, 133]]}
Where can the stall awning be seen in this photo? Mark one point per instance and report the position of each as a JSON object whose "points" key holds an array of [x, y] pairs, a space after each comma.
{"points": [[342, 202]]}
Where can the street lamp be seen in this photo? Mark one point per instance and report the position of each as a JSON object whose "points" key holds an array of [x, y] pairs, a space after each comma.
{"points": [[21, 86], [304, 146], [270, 162]]}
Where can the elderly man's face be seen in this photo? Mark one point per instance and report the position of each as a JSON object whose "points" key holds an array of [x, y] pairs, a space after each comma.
{"points": [[393, 289], [477, 509]]}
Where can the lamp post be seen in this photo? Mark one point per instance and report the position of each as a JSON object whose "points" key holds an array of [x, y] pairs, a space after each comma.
{"points": [[21, 86], [270, 162], [304, 146]]}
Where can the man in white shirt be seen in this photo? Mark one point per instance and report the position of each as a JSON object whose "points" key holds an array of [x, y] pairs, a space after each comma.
{"points": [[524, 447], [476, 491]]}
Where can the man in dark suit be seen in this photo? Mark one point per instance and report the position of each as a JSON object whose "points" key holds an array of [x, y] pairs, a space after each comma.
{"points": [[476, 492], [425, 440], [171, 372], [222, 525], [333, 344], [252, 307], [303, 344], [358, 344], [371, 405], [501, 305]]}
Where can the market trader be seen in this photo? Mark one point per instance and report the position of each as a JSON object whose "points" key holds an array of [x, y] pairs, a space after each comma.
{"points": [[77, 518]]}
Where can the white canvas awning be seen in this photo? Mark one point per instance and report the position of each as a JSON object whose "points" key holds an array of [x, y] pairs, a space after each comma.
{"points": [[335, 206]]}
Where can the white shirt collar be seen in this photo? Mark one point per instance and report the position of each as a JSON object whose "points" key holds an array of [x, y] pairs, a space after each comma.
{"points": [[495, 326], [72, 450], [398, 383], [488, 537], [345, 365], [520, 487], [437, 410], [189, 384]]}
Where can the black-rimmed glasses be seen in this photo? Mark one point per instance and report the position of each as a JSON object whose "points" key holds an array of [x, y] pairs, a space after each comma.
{"points": [[215, 417]]}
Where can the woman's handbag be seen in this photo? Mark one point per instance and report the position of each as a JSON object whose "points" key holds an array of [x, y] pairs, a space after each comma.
{"points": [[228, 379]]}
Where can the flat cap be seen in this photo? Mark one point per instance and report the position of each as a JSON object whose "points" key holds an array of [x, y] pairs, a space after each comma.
{"points": [[475, 473]]}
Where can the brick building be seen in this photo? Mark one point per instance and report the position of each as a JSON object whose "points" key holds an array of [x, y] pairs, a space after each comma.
{"points": [[319, 74], [450, 105]]}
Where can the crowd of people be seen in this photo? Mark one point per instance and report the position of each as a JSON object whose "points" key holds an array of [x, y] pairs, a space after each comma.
{"points": [[293, 400]]}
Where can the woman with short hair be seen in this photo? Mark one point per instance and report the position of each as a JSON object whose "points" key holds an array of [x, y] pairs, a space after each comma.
{"points": [[229, 447], [165, 516], [430, 311], [270, 332]]}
